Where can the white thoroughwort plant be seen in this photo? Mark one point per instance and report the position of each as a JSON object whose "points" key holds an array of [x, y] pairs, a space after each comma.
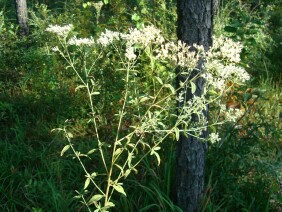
{"points": [[147, 63]]}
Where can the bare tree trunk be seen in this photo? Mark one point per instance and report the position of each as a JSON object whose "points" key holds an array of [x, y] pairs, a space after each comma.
{"points": [[22, 17], [194, 27]]}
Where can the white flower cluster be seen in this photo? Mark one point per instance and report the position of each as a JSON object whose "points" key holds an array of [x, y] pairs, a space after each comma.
{"points": [[130, 55], [55, 49], [108, 37], [217, 82], [196, 104], [81, 41], [61, 31], [231, 114], [145, 36], [221, 64], [217, 74], [238, 74], [226, 48], [214, 137], [180, 54]]}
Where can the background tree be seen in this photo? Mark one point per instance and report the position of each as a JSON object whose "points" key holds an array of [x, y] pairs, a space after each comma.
{"points": [[194, 27], [22, 16]]}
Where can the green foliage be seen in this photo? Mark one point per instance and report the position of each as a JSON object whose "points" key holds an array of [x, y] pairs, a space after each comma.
{"points": [[252, 24], [244, 169], [38, 94]]}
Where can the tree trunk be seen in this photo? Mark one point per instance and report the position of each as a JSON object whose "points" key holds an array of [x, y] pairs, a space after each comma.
{"points": [[22, 16], [194, 27]]}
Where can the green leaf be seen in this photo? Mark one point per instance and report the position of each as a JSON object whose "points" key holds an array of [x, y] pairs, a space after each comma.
{"points": [[170, 87], [91, 151], [135, 17], [159, 80], [93, 175], [65, 149], [106, 1], [121, 169], [95, 93], [118, 151], [144, 11], [144, 98], [230, 29], [158, 158], [177, 133], [127, 172], [193, 87], [86, 184], [69, 135], [251, 41], [157, 148], [95, 198], [119, 189], [109, 205]]}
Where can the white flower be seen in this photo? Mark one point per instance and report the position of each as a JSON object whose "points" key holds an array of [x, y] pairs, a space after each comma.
{"points": [[180, 54], [130, 53], [232, 114], [217, 83], [55, 49], [180, 97], [242, 74], [214, 137], [226, 48], [108, 37], [81, 41], [145, 36], [217, 73], [62, 31], [222, 107]]}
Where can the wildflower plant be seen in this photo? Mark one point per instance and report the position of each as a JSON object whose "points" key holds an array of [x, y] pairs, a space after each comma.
{"points": [[146, 114]]}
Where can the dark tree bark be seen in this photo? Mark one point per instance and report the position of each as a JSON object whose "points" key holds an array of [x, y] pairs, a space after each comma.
{"points": [[22, 17], [195, 18]]}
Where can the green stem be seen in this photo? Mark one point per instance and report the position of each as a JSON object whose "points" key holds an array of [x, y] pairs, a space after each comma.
{"points": [[116, 140], [95, 126]]}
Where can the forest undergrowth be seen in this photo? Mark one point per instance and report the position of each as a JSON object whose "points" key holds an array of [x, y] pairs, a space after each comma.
{"points": [[38, 94]]}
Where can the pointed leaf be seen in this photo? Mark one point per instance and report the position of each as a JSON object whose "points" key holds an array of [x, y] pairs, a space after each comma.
{"points": [[65, 149], [144, 98], [158, 158], [177, 133], [119, 189], [69, 135], [95, 198], [157, 148], [159, 80], [121, 169], [95, 93], [79, 87], [170, 87], [109, 205], [86, 184], [118, 151], [127, 172], [193, 87]]}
